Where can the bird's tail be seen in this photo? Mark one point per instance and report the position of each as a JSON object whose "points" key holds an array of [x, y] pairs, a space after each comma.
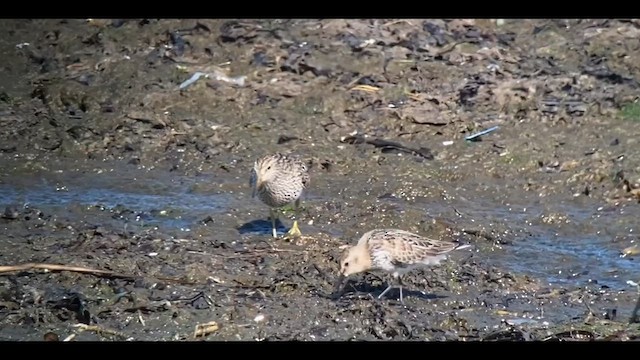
{"points": [[460, 247]]}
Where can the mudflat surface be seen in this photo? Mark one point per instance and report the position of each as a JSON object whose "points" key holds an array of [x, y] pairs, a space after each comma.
{"points": [[107, 164]]}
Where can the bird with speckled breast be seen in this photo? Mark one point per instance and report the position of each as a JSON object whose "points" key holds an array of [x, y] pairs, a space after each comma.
{"points": [[395, 252], [278, 180]]}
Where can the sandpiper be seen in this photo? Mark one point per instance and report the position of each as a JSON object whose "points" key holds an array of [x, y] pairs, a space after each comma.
{"points": [[278, 180], [393, 251]]}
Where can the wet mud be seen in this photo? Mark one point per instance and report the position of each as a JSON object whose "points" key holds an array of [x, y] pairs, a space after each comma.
{"points": [[126, 148]]}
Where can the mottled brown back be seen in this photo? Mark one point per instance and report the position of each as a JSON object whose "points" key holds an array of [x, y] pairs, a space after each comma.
{"points": [[393, 248]]}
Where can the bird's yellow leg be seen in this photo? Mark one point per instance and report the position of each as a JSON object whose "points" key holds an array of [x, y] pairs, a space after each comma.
{"points": [[294, 232]]}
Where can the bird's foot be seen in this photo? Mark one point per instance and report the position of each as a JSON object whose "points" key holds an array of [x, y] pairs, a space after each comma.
{"points": [[294, 232]]}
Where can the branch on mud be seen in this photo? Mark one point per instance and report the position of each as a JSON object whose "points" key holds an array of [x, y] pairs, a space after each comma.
{"points": [[84, 270], [56, 267], [388, 146], [203, 330], [98, 330]]}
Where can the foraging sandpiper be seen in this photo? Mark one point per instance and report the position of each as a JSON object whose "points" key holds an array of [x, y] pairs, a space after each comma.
{"points": [[393, 251]]}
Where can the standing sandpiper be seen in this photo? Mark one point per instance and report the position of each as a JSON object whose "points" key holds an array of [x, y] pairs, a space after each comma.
{"points": [[279, 179], [393, 251]]}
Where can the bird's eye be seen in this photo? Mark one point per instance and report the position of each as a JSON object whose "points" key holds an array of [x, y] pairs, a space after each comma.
{"points": [[346, 264], [268, 167]]}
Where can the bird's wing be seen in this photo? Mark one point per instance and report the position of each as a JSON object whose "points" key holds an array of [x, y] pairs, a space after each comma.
{"points": [[304, 171], [381, 258], [406, 248]]}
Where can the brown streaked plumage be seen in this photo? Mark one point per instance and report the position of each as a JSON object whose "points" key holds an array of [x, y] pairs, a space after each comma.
{"points": [[393, 251], [278, 180]]}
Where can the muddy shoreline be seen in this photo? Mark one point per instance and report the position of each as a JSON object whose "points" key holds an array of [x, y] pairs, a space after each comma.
{"points": [[108, 164]]}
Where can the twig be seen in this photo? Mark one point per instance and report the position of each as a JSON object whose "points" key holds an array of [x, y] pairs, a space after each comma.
{"points": [[196, 297], [80, 269], [56, 267], [205, 329], [99, 330], [140, 318], [398, 22], [449, 48]]}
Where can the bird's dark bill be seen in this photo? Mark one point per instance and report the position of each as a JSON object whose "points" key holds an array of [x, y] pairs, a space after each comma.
{"points": [[338, 286], [258, 187]]}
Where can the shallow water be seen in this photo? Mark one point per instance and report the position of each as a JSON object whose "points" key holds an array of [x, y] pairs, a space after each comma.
{"points": [[169, 204], [575, 261], [575, 255]]}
